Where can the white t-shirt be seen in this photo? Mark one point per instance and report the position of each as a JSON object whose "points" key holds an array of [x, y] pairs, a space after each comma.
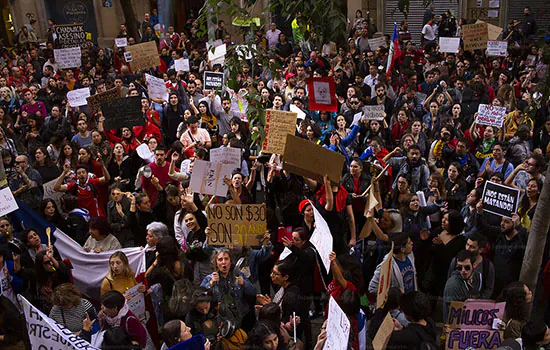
{"points": [[429, 31]]}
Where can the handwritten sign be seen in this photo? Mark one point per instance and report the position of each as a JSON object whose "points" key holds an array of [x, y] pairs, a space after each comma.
{"points": [[207, 178], [144, 56], [490, 115], [226, 155], [236, 224], [306, 158], [384, 282], [136, 302], [95, 100], [449, 44], [338, 327], [7, 202], [375, 43], [70, 35], [375, 112], [213, 80], [128, 56], [497, 48], [500, 200], [68, 58], [384, 333], [156, 87], [122, 112], [321, 238], [181, 64], [78, 97], [475, 36], [278, 125], [121, 42], [471, 324]]}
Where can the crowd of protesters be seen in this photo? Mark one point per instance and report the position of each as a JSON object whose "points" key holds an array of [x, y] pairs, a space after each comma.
{"points": [[445, 246]]}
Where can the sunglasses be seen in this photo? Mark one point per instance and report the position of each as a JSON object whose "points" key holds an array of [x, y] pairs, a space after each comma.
{"points": [[463, 267]]}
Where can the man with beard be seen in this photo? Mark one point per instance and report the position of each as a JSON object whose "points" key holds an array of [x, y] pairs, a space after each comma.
{"points": [[223, 112], [382, 99], [159, 178], [509, 241], [461, 155], [413, 166]]}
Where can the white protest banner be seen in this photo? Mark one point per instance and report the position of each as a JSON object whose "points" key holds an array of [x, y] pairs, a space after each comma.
{"points": [[68, 58], [136, 302], [449, 44], [298, 111], [207, 178], [226, 155], [321, 237], [375, 112], [497, 48], [181, 64], [45, 333], [87, 264], [217, 55], [338, 327], [490, 115], [375, 43], [77, 98], [7, 202], [121, 42], [156, 87]]}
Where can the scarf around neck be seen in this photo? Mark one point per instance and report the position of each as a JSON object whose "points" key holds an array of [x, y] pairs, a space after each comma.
{"points": [[115, 321]]}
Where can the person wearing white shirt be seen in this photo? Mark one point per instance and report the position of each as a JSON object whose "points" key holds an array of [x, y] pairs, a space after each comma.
{"points": [[272, 36], [372, 79], [429, 31]]}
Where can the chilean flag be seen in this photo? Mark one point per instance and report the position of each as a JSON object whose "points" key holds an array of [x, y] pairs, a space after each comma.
{"points": [[395, 50]]}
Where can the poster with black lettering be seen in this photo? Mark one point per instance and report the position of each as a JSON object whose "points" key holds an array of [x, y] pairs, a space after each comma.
{"points": [[213, 80], [236, 224], [122, 112], [45, 333], [70, 35], [499, 199], [474, 324]]}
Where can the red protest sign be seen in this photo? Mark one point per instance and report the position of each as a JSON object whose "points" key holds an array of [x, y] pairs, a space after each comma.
{"points": [[322, 94]]}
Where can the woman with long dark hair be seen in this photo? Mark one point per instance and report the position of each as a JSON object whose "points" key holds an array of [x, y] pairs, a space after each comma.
{"points": [[528, 203], [517, 296], [173, 116], [44, 165], [49, 211]]}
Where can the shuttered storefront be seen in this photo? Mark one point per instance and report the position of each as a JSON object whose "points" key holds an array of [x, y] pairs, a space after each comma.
{"points": [[540, 8], [416, 14]]}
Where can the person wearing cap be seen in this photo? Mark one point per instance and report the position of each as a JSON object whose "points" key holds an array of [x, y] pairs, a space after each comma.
{"points": [[290, 85]]}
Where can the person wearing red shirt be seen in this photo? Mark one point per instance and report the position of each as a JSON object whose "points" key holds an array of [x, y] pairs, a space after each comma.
{"points": [[86, 187], [159, 168]]}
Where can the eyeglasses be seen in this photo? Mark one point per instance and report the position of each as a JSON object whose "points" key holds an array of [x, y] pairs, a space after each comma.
{"points": [[354, 103], [463, 267], [19, 162]]}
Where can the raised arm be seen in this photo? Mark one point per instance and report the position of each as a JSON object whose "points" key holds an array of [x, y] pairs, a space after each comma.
{"points": [[328, 193], [337, 274], [58, 186], [252, 177]]}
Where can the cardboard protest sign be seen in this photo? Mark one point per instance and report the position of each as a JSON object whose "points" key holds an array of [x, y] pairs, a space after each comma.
{"points": [[45, 333], [373, 112], [207, 178], [95, 100], [494, 31], [70, 35], [338, 327], [121, 42], [277, 125], [156, 87], [306, 158], [122, 112], [449, 44], [78, 97], [68, 58], [7, 202], [385, 281], [475, 36], [384, 333], [471, 324], [375, 43], [236, 224], [144, 56], [497, 48], [322, 94], [227, 155], [321, 238], [500, 200], [490, 115], [213, 80], [181, 64]]}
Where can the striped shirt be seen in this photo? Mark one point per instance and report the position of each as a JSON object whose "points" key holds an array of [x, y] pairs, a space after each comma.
{"points": [[72, 319]]}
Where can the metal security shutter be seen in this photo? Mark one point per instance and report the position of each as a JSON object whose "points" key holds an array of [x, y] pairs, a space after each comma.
{"points": [[416, 14], [540, 8]]}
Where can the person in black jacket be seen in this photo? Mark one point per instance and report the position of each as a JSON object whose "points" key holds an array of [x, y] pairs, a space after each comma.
{"points": [[77, 219], [421, 331]]}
